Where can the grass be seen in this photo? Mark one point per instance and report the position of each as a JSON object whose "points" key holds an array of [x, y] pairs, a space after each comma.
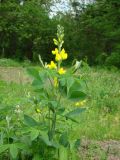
{"points": [[101, 121], [6, 62]]}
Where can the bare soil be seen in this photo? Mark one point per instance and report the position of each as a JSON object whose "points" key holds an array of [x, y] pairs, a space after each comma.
{"points": [[14, 74], [99, 150]]}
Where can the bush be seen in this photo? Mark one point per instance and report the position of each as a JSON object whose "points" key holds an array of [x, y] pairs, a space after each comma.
{"points": [[100, 60], [113, 59]]}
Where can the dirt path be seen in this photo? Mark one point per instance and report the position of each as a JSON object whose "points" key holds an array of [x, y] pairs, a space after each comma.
{"points": [[14, 74], [99, 150]]}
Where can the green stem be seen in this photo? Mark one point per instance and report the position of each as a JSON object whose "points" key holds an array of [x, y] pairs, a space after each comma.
{"points": [[59, 63], [49, 130], [54, 121], [53, 125]]}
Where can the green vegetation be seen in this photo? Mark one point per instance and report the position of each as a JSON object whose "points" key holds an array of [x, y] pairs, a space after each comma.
{"points": [[100, 121], [49, 109], [48, 127], [28, 30], [5, 62]]}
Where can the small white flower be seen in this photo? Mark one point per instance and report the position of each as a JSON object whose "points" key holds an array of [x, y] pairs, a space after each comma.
{"points": [[8, 119], [21, 3], [77, 64], [17, 109], [28, 95]]}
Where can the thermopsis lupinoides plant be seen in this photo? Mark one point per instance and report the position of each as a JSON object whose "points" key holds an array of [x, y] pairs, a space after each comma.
{"points": [[57, 87]]}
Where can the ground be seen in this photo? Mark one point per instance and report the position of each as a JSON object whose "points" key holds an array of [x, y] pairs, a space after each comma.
{"points": [[99, 127], [99, 150]]}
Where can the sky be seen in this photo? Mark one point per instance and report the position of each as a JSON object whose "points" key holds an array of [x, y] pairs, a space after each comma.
{"points": [[63, 6], [60, 7]]}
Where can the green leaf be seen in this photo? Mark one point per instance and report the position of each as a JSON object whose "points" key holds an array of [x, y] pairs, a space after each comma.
{"points": [[77, 95], [54, 105], [30, 121], [75, 89], [61, 110], [77, 143], [34, 134], [21, 146], [75, 112], [44, 138], [13, 150], [64, 139], [3, 147], [34, 73], [70, 82], [38, 82], [72, 119], [63, 81]]}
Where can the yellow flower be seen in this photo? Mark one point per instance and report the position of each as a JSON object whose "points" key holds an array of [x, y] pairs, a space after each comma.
{"points": [[38, 110], [56, 82], [77, 104], [52, 65], [81, 103], [63, 54], [84, 101], [58, 57], [55, 51], [61, 71]]}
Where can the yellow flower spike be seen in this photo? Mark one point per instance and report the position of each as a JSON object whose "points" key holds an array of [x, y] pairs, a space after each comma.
{"points": [[63, 54], [52, 65], [61, 71], [58, 57], [56, 82], [55, 51], [38, 110]]}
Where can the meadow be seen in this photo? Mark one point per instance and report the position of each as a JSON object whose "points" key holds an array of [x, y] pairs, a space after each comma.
{"points": [[98, 125]]}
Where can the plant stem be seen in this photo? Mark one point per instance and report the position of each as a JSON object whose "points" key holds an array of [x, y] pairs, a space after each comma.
{"points": [[49, 130]]}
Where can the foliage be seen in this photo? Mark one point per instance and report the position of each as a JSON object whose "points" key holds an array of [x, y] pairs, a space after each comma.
{"points": [[6, 62], [25, 30], [99, 122], [91, 31], [113, 59]]}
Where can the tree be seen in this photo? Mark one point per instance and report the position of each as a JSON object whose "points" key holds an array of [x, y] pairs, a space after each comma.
{"points": [[26, 30]]}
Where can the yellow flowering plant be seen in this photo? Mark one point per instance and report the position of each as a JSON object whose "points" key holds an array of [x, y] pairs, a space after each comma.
{"points": [[56, 86]]}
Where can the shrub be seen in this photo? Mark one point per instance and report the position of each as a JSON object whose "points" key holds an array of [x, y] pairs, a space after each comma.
{"points": [[113, 59], [100, 59]]}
